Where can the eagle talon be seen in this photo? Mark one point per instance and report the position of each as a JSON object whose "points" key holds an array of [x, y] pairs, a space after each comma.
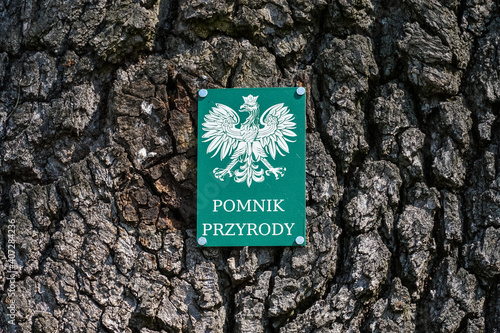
{"points": [[219, 173], [278, 172]]}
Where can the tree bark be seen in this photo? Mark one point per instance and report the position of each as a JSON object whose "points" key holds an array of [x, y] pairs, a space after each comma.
{"points": [[98, 119]]}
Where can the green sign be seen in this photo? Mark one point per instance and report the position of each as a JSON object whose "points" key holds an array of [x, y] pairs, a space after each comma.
{"points": [[251, 167]]}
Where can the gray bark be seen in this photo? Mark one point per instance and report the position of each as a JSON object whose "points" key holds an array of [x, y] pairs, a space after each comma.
{"points": [[98, 143]]}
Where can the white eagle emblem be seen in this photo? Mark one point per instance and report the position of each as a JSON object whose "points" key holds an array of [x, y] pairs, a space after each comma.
{"points": [[252, 142]]}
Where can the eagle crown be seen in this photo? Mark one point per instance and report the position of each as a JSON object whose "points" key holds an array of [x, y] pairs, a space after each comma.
{"points": [[250, 100], [252, 108], [250, 104]]}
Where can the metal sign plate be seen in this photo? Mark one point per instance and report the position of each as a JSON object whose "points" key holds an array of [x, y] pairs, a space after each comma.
{"points": [[251, 167]]}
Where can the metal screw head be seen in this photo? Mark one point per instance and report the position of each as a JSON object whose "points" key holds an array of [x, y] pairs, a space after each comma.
{"points": [[300, 240], [301, 91], [203, 93], [202, 241]]}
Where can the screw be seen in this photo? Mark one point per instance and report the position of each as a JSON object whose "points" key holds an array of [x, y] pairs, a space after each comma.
{"points": [[301, 91], [203, 93], [300, 240], [202, 241]]}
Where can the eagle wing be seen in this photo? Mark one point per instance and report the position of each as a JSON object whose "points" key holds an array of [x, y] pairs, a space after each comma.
{"points": [[220, 127], [278, 125]]}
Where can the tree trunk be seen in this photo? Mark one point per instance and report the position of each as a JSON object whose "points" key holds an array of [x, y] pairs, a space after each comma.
{"points": [[98, 117]]}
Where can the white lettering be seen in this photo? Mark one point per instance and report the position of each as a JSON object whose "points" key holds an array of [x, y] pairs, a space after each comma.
{"points": [[231, 225], [247, 229], [274, 229], [277, 205], [244, 207], [250, 205], [252, 226], [289, 228], [217, 227], [268, 229], [206, 227], [225, 208], [256, 203], [241, 228], [217, 205]]}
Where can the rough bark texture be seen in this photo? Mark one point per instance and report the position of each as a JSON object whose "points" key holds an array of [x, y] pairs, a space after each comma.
{"points": [[98, 165]]}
